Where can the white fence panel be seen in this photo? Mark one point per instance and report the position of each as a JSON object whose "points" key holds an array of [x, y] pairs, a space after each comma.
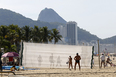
{"points": [[54, 56]]}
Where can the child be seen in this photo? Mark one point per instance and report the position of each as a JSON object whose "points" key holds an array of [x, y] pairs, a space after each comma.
{"points": [[13, 68]]}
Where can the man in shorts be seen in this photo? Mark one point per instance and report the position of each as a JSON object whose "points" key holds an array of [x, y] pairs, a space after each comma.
{"points": [[77, 59], [103, 60]]}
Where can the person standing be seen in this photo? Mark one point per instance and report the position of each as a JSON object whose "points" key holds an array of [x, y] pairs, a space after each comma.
{"points": [[103, 60], [70, 62], [77, 59]]}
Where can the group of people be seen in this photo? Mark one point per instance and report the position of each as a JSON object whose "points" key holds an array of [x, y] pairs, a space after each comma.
{"points": [[108, 61], [77, 59]]}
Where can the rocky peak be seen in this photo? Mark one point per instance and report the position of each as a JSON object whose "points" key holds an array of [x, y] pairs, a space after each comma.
{"points": [[49, 15]]}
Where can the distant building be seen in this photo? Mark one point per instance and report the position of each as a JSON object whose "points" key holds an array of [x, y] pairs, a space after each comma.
{"points": [[72, 33], [62, 30]]}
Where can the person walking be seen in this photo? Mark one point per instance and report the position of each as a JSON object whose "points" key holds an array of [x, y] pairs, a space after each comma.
{"points": [[77, 59]]}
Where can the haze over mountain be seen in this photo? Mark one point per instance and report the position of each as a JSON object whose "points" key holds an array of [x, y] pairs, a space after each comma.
{"points": [[49, 15], [8, 17]]}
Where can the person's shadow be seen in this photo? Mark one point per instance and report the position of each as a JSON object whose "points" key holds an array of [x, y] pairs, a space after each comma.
{"points": [[39, 60], [51, 60], [59, 61]]}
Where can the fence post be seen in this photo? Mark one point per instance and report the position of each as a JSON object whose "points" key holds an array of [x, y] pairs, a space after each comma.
{"points": [[98, 53], [92, 57], [21, 53]]}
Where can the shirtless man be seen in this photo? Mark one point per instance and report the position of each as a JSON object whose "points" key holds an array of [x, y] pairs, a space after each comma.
{"points": [[70, 62], [77, 59]]}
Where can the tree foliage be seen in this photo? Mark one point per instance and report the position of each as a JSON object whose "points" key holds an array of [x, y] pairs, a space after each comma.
{"points": [[11, 36], [55, 36]]}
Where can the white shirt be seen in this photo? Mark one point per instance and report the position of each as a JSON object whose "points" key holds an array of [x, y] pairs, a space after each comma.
{"points": [[102, 57]]}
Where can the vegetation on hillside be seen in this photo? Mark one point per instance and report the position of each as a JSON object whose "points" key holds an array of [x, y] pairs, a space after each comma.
{"points": [[84, 35]]}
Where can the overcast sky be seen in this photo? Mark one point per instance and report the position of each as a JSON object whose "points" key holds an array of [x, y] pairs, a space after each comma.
{"points": [[96, 16]]}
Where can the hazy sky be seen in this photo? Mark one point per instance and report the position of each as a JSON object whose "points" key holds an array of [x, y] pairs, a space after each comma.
{"points": [[96, 16]]}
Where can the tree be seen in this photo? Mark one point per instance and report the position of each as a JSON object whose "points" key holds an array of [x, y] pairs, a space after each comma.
{"points": [[1, 42], [45, 34], [6, 45], [13, 27], [10, 48], [7, 36], [27, 33], [15, 35], [55, 36], [36, 34], [12, 36], [3, 30]]}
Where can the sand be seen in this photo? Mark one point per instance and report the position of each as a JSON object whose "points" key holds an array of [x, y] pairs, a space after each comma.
{"points": [[85, 72]]}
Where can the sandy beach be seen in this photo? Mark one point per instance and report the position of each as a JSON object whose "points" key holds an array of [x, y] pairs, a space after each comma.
{"points": [[85, 72], [95, 72]]}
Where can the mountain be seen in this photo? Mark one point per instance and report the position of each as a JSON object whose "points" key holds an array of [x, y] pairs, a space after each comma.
{"points": [[111, 40], [84, 35], [8, 17], [49, 15]]}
